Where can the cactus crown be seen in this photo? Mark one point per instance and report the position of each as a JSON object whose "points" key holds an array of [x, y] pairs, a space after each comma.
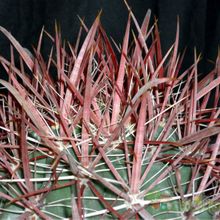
{"points": [[115, 137]]}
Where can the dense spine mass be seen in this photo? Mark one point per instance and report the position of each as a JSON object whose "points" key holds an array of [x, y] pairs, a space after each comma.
{"points": [[120, 132]]}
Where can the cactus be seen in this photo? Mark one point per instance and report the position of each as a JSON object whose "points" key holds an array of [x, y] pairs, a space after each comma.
{"points": [[118, 133]]}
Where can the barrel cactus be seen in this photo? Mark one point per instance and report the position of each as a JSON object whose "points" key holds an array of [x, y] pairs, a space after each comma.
{"points": [[101, 130]]}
